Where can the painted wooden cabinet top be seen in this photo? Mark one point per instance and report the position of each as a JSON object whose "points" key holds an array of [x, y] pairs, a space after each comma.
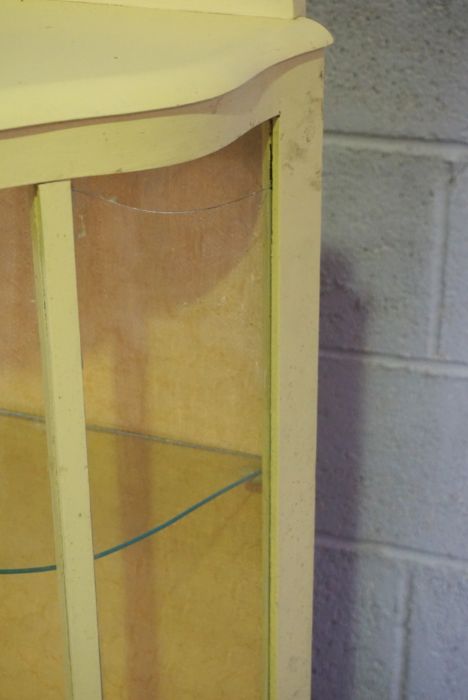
{"points": [[64, 61]]}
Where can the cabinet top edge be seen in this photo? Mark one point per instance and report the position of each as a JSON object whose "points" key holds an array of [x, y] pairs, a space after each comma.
{"points": [[70, 60], [286, 9]]}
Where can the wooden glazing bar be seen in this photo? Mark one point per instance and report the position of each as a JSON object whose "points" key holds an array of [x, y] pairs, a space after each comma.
{"points": [[57, 304]]}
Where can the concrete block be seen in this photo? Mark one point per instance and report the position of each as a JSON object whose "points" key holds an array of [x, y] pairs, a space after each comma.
{"points": [[381, 232], [397, 68], [392, 456], [454, 336], [438, 642], [357, 601]]}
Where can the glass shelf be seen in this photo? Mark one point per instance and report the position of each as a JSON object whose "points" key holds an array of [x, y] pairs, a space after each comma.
{"points": [[171, 597], [169, 479]]}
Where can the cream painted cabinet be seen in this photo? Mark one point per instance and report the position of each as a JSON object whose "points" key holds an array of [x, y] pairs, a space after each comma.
{"points": [[160, 186]]}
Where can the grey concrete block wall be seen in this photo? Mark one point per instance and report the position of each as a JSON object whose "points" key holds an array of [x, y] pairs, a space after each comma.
{"points": [[438, 646], [384, 226], [397, 68], [361, 603], [391, 599], [453, 342], [393, 455]]}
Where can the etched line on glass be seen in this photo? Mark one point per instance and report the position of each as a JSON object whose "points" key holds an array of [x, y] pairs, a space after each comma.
{"points": [[169, 212]]}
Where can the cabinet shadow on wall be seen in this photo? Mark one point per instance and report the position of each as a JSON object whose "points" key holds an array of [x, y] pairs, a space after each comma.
{"points": [[341, 386]]}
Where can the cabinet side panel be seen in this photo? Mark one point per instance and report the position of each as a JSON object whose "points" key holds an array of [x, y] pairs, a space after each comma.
{"points": [[297, 156]]}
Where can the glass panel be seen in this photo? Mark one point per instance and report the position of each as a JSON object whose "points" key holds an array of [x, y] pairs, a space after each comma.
{"points": [[172, 289], [172, 292], [31, 663]]}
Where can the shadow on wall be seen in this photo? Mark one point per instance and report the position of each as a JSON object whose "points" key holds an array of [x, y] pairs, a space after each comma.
{"points": [[343, 318]]}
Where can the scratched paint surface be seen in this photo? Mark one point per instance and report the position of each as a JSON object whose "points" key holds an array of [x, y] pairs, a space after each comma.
{"points": [[173, 340]]}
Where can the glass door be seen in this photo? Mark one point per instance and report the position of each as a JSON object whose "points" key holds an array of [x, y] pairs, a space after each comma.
{"points": [[173, 290]]}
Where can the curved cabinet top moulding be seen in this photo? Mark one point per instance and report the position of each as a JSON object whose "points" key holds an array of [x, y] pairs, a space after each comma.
{"points": [[287, 9], [64, 61]]}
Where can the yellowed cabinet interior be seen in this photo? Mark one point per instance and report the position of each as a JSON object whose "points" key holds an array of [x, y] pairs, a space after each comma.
{"points": [[172, 286]]}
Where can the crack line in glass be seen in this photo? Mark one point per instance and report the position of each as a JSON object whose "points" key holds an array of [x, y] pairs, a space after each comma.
{"points": [[173, 212]]}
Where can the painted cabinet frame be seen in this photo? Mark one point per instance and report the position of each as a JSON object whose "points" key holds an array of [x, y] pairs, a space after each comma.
{"points": [[286, 9], [289, 95]]}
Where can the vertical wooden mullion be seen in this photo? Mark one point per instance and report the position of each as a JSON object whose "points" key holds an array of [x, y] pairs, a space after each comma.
{"points": [[266, 454], [295, 280], [57, 303]]}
